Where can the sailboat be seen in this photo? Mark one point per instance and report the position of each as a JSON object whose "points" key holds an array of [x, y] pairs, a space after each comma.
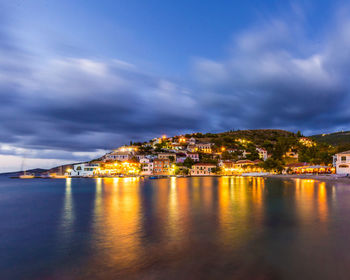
{"points": [[25, 175]]}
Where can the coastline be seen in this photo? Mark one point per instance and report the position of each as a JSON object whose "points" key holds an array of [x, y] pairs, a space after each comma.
{"points": [[329, 178]]}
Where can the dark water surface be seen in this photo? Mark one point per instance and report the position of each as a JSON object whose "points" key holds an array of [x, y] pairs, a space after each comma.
{"points": [[177, 228]]}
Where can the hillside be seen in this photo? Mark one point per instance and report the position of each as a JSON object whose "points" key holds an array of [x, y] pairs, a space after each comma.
{"points": [[36, 171], [335, 139], [266, 138]]}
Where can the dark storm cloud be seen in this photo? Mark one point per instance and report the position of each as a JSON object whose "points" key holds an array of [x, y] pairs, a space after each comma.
{"points": [[52, 107], [276, 79], [78, 104]]}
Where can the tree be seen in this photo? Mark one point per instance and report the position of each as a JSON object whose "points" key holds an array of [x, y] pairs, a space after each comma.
{"points": [[272, 164], [188, 162]]}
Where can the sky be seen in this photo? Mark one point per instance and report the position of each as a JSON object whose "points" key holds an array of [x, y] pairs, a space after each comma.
{"points": [[78, 78]]}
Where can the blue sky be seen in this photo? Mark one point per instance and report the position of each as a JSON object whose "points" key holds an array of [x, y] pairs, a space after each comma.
{"points": [[81, 77]]}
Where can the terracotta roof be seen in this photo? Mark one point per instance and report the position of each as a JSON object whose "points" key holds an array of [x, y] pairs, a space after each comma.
{"points": [[244, 161]]}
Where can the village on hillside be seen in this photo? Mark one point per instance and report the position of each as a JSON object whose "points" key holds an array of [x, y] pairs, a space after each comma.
{"points": [[218, 154]]}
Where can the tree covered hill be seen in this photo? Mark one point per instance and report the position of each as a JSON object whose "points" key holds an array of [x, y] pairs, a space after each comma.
{"points": [[259, 137], [339, 139]]}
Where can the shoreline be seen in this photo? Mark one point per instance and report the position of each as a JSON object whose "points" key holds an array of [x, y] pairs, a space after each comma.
{"points": [[329, 178]]}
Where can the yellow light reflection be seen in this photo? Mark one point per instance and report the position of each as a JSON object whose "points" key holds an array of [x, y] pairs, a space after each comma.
{"points": [[118, 214], [68, 216]]}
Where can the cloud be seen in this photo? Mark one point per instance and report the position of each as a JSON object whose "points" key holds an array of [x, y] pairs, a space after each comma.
{"points": [[83, 104], [275, 78], [76, 107]]}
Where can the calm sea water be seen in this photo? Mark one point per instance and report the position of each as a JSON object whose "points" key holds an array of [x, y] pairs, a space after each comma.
{"points": [[177, 228]]}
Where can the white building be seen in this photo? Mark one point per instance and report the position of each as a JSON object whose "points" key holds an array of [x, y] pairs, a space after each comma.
{"points": [[262, 153], [83, 170], [146, 167], [343, 163], [192, 141]]}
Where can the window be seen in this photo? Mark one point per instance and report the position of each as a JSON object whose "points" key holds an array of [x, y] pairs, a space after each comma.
{"points": [[343, 158]]}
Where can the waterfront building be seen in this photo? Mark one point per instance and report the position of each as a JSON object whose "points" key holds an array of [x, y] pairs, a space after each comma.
{"points": [[161, 166], [203, 169], [146, 167], [343, 163], [83, 169]]}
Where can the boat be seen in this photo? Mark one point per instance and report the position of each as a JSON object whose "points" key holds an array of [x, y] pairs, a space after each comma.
{"points": [[26, 176]]}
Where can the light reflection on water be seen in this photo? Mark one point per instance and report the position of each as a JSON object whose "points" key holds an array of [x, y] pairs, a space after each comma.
{"points": [[200, 228]]}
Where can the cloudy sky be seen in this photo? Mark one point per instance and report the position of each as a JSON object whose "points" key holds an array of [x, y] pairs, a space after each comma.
{"points": [[81, 77]]}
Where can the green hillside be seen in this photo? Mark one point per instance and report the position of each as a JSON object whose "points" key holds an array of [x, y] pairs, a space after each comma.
{"points": [[338, 139]]}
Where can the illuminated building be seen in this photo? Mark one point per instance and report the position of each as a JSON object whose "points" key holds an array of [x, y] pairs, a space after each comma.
{"points": [[342, 162], [203, 169], [193, 156], [83, 169], [204, 147], [161, 166]]}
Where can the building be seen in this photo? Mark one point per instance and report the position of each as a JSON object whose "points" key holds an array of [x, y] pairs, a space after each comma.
{"points": [[84, 169], [130, 149], [306, 142], [170, 156], [203, 169], [192, 148], [342, 163], [262, 153], [161, 166], [180, 157], [294, 167], [146, 167], [193, 156], [204, 147], [245, 153], [291, 154], [120, 156], [192, 141], [139, 157], [119, 168]]}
